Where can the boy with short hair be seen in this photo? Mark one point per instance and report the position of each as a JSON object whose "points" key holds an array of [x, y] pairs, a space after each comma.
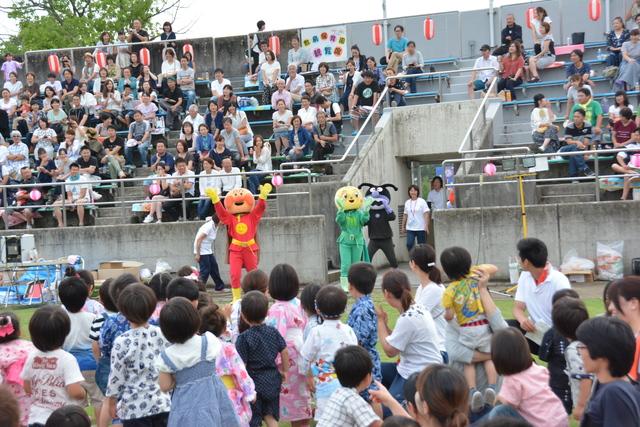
{"points": [[183, 287], [365, 96], [73, 295]]}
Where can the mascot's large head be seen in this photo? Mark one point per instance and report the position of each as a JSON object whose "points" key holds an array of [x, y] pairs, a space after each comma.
{"points": [[239, 201], [351, 196], [380, 195]]}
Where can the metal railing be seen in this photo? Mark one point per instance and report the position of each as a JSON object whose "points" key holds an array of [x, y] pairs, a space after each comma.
{"points": [[184, 198], [596, 158], [356, 140]]}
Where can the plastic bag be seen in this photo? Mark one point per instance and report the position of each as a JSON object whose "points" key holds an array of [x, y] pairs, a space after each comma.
{"points": [[145, 275], [609, 260], [572, 262], [162, 267]]}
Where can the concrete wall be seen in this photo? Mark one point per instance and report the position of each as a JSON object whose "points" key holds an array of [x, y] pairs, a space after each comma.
{"points": [[297, 241], [491, 234], [505, 194]]}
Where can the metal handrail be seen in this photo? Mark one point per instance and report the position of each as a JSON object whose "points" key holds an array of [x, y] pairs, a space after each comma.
{"points": [[184, 197], [481, 107], [94, 47], [355, 140]]}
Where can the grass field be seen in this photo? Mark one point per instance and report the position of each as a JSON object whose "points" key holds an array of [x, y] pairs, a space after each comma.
{"points": [[594, 305]]}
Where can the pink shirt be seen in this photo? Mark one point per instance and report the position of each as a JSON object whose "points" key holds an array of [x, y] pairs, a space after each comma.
{"points": [[529, 393]]}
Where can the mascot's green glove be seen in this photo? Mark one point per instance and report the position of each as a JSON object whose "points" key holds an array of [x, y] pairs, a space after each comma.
{"points": [[340, 202], [368, 201]]}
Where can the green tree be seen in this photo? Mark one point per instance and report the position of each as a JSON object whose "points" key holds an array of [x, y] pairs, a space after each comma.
{"points": [[49, 24]]}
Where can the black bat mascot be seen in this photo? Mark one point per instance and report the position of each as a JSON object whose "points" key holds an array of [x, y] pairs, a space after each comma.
{"points": [[380, 215]]}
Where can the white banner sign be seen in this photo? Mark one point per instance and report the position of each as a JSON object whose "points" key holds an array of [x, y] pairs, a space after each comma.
{"points": [[326, 44]]}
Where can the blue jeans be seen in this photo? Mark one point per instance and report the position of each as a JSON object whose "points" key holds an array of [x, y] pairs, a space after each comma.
{"points": [[209, 267], [412, 235], [576, 163], [143, 149], [102, 373], [506, 411], [394, 382], [254, 181], [412, 81], [400, 102], [190, 96], [614, 59], [204, 208]]}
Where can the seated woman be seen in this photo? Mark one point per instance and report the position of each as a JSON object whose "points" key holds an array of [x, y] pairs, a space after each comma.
{"points": [[213, 118], [170, 66], [544, 132], [98, 82], [182, 152], [281, 126], [204, 141], [113, 70], [301, 140], [44, 137], [148, 90], [164, 194], [326, 83], [269, 74], [262, 161], [629, 74], [188, 136], [148, 76], [109, 100], [373, 67], [511, 69], [350, 79], [545, 57], [615, 39], [240, 123], [219, 153], [227, 97], [396, 88]]}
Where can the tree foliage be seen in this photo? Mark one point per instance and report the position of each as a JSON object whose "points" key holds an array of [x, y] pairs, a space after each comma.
{"points": [[49, 24]]}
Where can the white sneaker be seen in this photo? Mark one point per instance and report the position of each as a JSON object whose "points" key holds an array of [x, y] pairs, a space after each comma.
{"points": [[159, 221], [477, 401], [148, 219], [489, 396]]}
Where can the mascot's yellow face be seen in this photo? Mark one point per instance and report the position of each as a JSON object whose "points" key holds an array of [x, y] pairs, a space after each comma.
{"points": [[239, 201], [351, 196]]}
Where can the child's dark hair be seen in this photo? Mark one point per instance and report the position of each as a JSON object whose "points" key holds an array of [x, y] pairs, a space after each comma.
{"points": [[409, 389], [9, 408], [534, 250], [568, 314], [159, 283], [254, 306], [119, 284], [331, 302], [445, 392], [255, 280], [204, 300], [627, 288], [183, 287], [399, 421], [510, 351], [137, 303], [456, 262], [8, 321], [179, 321], [68, 416], [184, 271], [105, 296], [49, 327], [397, 284], [212, 320], [362, 276], [424, 257], [283, 283], [87, 278], [611, 339], [352, 365], [73, 293], [562, 293], [308, 297]]}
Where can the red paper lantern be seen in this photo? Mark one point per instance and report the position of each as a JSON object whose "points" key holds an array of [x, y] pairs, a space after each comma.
{"points": [[54, 63], [429, 28], [376, 34], [530, 15], [188, 48], [595, 9], [145, 56], [101, 59], [274, 44]]}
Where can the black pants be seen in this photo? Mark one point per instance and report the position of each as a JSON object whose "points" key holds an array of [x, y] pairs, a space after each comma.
{"points": [[386, 245], [209, 267], [509, 84], [533, 347], [255, 57], [320, 152], [501, 50], [159, 420]]}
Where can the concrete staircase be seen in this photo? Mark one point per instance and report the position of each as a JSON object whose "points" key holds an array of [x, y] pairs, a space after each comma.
{"points": [[565, 193]]}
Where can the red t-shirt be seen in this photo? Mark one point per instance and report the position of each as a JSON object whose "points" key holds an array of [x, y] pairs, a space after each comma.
{"points": [[510, 66], [623, 133]]}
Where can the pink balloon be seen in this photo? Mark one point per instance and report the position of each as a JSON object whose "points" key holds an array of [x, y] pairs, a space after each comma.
{"points": [[277, 180], [154, 189], [35, 195], [489, 169], [635, 160]]}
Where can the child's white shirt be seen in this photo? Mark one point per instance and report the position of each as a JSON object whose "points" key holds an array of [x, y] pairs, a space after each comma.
{"points": [[189, 353]]}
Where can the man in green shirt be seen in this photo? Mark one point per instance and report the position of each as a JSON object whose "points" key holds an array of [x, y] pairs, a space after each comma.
{"points": [[593, 112]]}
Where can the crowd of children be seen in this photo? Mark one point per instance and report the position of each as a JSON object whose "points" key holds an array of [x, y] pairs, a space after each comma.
{"points": [[164, 354]]}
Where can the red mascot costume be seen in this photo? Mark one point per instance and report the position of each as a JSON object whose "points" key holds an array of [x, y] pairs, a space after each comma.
{"points": [[242, 219]]}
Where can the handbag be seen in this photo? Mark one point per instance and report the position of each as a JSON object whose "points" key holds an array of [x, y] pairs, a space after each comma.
{"points": [[243, 130]]}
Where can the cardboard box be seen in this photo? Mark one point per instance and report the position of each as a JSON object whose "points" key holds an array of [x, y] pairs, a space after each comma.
{"points": [[112, 269]]}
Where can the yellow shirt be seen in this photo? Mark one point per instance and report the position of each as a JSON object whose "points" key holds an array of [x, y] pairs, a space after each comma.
{"points": [[463, 297]]}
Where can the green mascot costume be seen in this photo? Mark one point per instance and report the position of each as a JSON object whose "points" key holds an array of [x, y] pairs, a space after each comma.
{"points": [[353, 214]]}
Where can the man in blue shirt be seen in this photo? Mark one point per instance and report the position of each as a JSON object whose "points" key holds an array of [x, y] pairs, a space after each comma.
{"points": [[162, 155], [396, 47]]}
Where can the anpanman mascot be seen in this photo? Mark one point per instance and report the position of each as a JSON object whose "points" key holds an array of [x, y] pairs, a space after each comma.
{"points": [[353, 214], [242, 219]]}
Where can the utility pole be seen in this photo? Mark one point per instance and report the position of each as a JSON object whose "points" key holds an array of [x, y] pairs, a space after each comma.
{"points": [[492, 36]]}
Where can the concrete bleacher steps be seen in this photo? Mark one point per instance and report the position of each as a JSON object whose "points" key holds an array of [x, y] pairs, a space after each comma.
{"points": [[565, 193]]}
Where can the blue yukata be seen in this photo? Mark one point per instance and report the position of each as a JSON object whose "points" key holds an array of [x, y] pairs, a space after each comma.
{"points": [[364, 322]]}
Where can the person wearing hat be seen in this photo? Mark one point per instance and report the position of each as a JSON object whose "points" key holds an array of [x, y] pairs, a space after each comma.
{"points": [[482, 79]]}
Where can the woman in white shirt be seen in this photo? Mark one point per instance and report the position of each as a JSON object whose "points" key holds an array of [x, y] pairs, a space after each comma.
{"points": [[281, 126], [14, 86], [8, 104], [414, 338], [87, 100], [539, 17], [262, 160], [415, 220], [544, 132], [169, 67], [98, 82], [297, 55], [350, 79], [269, 74], [621, 100], [207, 179], [422, 261], [240, 123], [109, 99], [438, 195]]}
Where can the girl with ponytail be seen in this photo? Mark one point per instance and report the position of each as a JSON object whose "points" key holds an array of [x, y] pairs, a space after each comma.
{"points": [[422, 261], [442, 398], [414, 339]]}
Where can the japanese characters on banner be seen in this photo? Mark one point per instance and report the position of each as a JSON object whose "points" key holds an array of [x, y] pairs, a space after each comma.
{"points": [[326, 44]]}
